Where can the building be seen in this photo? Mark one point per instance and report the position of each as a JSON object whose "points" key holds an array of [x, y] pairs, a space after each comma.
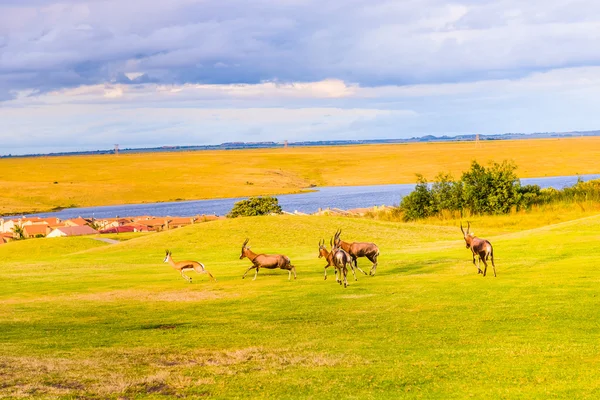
{"points": [[35, 230], [76, 222], [72, 231]]}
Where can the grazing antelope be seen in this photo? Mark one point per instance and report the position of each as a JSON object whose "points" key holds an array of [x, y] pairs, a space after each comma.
{"points": [[358, 249], [338, 259], [270, 261], [187, 265], [479, 247]]}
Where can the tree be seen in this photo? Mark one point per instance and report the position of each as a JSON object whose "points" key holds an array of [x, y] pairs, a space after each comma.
{"points": [[494, 190], [255, 206], [18, 232], [447, 193], [420, 203]]}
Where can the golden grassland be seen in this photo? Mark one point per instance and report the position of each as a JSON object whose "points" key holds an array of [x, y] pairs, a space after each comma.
{"points": [[44, 183]]}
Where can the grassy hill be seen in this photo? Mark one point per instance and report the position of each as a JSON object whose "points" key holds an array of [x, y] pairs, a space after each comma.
{"points": [[80, 318], [43, 183]]}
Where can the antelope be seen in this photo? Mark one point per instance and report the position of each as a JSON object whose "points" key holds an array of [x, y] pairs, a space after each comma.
{"points": [[187, 265], [338, 259], [479, 247], [358, 249], [270, 261]]}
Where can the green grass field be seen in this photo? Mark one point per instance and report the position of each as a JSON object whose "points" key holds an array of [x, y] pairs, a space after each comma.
{"points": [[84, 319], [44, 183]]}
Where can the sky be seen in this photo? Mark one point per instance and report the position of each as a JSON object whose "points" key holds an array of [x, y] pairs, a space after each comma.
{"points": [[85, 75]]}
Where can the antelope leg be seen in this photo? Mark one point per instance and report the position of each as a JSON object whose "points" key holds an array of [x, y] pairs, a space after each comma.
{"points": [[187, 278], [353, 272], [243, 276]]}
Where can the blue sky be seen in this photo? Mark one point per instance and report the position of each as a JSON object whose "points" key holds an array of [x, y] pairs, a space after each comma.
{"points": [[84, 75]]}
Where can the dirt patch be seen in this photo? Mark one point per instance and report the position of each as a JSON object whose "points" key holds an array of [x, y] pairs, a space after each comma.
{"points": [[130, 295], [151, 296], [110, 374], [355, 296]]}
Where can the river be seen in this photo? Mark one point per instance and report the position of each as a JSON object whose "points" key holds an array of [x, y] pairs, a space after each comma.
{"points": [[344, 197]]}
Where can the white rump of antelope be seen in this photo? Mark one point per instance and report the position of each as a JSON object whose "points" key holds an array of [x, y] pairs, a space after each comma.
{"points": [[337, 258], [187, 265], [358, 249], [479, 247], [269, 261]]}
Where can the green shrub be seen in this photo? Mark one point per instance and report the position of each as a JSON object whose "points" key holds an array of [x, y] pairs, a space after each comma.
{"points": [[493, 190], [420, 203], [255, 206], [481, 190]]}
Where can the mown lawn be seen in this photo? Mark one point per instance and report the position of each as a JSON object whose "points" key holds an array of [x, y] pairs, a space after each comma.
{"points": [[83, 319], [43, 183]]}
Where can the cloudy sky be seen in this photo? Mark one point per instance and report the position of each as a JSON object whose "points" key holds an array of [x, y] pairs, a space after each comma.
{"points": [[84, 75]]}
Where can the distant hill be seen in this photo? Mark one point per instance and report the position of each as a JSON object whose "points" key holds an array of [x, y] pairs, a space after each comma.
{"points": [[270, 144]]}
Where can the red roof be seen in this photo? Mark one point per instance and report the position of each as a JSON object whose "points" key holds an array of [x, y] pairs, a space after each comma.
{"points": [[138, 227], [119, 229], [77, 230]]}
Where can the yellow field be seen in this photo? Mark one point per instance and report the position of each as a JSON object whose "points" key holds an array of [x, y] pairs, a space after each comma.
{"points": [[42, 183]]}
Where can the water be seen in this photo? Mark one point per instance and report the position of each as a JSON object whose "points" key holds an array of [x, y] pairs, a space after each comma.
{"points": [[344, 197]]}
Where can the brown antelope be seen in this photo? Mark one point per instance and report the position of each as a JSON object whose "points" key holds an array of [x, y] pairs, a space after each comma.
{"points": [[187, 265], [338, 259], [479, 247], [270, 261], [358, 249]]}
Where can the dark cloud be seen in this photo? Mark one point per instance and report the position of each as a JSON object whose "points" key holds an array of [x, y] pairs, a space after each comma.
{"points": [[50, 44]]}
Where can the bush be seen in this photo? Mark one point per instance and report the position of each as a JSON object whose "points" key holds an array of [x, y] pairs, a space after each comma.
{"points": [[493, 190], [420, 203], [255, 206]]}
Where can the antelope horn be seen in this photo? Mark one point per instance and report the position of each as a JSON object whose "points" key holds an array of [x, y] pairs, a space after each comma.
{"points": [[461, 228], [167, 251], [245, 242], [331, 242], [468, 227]]}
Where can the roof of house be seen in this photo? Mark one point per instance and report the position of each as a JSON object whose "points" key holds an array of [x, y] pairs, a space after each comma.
{"points": [[137, 226], [154, 221], [142, 217], [37, 229], [77, 230], [78, 221], [181, 220], [38, 220], [119, 229]]}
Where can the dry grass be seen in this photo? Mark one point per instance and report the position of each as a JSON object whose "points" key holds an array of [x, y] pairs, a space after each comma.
{"points": [[43, 183], [130, 295], [162, 373]]}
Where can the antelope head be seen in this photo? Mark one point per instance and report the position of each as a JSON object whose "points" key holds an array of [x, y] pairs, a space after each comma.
{"points": [[468, 236], [322, 248], [244, 248], [336, 239], [167, 255]]}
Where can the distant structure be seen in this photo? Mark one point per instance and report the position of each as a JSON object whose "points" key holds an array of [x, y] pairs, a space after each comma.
{"points": [[477, 140], [285, 144], [116, 149]]}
